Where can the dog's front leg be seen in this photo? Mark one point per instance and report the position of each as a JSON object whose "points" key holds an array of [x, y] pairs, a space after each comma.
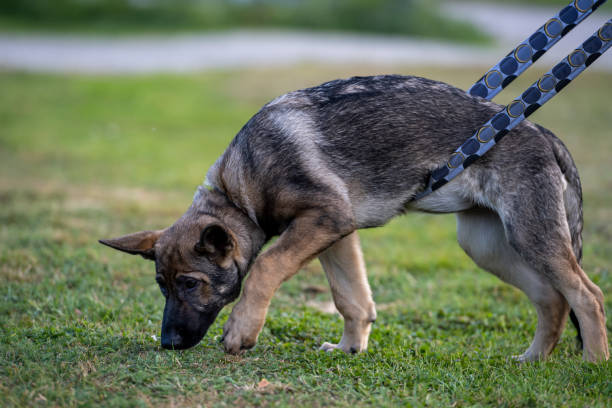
{"points": [[345, 269], [308, 235]]}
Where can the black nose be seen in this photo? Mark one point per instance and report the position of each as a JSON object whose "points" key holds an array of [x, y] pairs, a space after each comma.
{"points": [[173, 341]]}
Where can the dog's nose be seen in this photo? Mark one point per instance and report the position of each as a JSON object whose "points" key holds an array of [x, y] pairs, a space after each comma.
{"points": [[172, 341]]}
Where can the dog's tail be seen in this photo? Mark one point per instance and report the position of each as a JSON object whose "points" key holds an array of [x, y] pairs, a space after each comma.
{"points": [[572, 198]]}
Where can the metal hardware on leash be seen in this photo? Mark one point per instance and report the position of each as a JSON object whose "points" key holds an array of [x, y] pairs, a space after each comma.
{"points": [[521, 107]]}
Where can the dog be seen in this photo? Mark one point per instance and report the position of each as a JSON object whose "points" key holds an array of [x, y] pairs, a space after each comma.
{"points": [[315, 165]]}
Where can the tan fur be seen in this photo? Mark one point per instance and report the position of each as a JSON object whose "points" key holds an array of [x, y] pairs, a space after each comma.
{"points": [[305, 238], [345, 269], [141, 243], [588, 303], [195, 275]]}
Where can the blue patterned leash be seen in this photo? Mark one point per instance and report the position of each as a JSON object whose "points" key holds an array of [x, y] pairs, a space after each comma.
{"points": [[516, 111], [530, 50]]}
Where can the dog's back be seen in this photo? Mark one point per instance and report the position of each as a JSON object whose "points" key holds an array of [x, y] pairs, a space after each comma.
{"points": [[373, 141]]}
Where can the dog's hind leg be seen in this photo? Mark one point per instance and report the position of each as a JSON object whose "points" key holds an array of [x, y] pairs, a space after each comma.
{"points": [[345, 269], [481, 234], [534, 217]]}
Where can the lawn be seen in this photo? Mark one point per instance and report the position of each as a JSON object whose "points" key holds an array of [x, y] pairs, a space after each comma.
{"points": [[83, 158]]}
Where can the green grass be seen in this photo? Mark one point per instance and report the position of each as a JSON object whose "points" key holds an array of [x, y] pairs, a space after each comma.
{"points": [[88, 157]]}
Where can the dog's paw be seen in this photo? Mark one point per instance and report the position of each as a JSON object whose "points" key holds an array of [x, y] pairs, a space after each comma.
{"points": [[527, 357], [234, 340], [241, 330], [234, 343], [329, 347]]}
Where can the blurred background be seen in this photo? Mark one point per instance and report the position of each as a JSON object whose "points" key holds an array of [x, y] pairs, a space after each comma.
{"points": [[120, 65], [185, 35], [111, 112]]}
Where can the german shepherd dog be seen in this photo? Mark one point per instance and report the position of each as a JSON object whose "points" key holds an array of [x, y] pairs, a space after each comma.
{"points": [[315, 165]]}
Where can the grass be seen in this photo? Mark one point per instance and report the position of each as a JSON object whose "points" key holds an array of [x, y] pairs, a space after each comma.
{"points": [[89, 157]]}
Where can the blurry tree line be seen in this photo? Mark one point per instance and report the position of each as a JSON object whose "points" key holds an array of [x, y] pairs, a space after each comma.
{"points": [[404, 17]]}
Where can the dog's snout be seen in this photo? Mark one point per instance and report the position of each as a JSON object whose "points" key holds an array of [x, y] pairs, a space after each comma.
{"points": [[183, 326], [172, 341]]}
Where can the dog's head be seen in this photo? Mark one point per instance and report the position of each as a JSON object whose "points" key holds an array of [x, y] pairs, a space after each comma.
{"points": [[200, 262]]}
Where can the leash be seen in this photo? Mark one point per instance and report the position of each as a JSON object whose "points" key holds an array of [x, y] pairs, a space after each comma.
{"points": [[540, 92]]}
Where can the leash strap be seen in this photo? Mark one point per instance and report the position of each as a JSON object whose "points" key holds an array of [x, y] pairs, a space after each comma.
{"points": [[521, 107], [530, 50]]}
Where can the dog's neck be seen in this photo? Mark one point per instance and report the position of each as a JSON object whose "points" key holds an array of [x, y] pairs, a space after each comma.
{"points": [[228, 176], [250, 237]]}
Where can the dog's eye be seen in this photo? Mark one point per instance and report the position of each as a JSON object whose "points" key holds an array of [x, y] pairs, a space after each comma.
{"points": [[191, 283]]}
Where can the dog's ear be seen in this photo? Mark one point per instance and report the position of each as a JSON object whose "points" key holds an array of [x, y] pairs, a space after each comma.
{"points": [[215, 242], [139, 243]]}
